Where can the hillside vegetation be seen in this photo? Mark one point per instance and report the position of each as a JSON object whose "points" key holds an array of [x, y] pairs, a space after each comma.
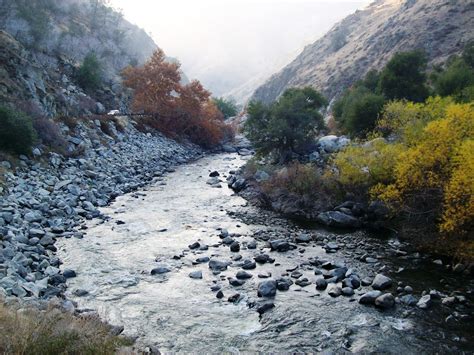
{"points": [[414, 151], [47, 52]]}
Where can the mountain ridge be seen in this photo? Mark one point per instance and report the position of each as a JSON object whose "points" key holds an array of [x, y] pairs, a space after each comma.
{"points": [[368, 38]]}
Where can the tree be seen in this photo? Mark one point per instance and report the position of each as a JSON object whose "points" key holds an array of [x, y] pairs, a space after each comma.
{"points": [[89, 75], [468, 54], [404, 77], [452, 81], [16, 131], [155, 84], [174, 109], [226, 106], [288, 124], [358, 110]]}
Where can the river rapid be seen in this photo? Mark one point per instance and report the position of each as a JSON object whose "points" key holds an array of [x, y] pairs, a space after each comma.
{"points": [[153, 228]]}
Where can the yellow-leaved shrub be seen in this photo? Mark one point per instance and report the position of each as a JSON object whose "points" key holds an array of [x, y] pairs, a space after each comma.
{"points": [[362, 166], [426, 172]]}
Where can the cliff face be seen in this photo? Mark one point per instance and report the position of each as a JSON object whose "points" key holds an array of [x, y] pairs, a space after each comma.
{"points": [[369, 38], [44, 42]]}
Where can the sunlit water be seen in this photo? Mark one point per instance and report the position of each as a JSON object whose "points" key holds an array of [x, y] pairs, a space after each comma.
{"points": [[177, 313]]}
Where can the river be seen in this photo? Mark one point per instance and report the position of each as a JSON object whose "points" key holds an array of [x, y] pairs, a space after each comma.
{"points": [[154, 227]]}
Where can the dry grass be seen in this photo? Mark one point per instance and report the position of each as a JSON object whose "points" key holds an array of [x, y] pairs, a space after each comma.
{"points": [[32, 331]]}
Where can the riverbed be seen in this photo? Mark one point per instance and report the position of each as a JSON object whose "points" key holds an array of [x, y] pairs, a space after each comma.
{"points": [[153, 229]]}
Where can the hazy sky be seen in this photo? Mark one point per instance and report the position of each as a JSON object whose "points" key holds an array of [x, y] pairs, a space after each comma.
{"points": [[225, 43]]}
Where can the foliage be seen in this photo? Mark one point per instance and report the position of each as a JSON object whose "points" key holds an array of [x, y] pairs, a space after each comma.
{"points": [[406, 120], [404, 77], [155, 85], [425, 174], [468, 54], [288, 124], [36, 14], [176, 110], [30, 331], [362, 166], [357, 111], [16, 131], [89, 75], [436, 168], [454, 79], [459, 191], [227, 106], [49, 134]]}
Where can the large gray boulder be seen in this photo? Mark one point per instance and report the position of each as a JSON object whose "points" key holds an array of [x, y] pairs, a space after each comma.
{"points": [[338, 219], [331, 144], [381, 282]]}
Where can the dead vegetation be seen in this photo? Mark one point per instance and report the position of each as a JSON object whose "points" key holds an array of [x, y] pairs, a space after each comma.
{"points": [[28, 330]]}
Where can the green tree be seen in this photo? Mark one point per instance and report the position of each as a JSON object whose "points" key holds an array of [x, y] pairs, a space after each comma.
{"points": [[404, 77], [287, 125], [357, 111], [468, 54], [89, 75], [454, 79], [16, 131], [227, 106]]}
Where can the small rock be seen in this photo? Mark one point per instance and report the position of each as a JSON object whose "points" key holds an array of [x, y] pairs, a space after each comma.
{"points": [[409, 300], [264, 307], [68, 274], [235, 247], [234, 298], [321, 283], [243, 275], [334, 290], [196, 274], [235, 282], [424, 302], [160, 270], [385, 301]]}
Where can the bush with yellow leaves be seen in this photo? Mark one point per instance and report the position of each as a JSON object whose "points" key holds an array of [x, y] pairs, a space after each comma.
{"points": [[426, 173]]}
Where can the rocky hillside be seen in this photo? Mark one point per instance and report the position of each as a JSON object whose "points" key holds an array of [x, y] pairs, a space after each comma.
{"points": [[45, 41], [369, 38]]}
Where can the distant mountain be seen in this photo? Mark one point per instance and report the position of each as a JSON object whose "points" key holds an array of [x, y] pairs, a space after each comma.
{"points": [[43, 43], [368, 38]]}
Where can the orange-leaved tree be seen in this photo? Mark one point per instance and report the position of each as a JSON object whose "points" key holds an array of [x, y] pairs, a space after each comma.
{"points": [[175, 109], [155, 85]]}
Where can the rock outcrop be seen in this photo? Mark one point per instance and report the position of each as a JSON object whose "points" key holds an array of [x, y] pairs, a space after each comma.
{"points": [[44, 43]]}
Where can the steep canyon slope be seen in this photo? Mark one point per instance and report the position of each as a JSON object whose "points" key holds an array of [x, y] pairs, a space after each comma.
{"points": [[44, 42], [368, 38]]}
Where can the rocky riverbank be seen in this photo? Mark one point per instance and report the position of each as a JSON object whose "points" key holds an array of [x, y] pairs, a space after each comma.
{"points": [[48, 196]]}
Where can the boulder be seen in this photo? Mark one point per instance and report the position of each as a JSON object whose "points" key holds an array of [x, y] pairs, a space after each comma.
{"points": [[369, 297], [385, 301], [279, 245], [331, 144], [338, 219], [267, 288], [216, 265], [424, 302], [381, 282]]}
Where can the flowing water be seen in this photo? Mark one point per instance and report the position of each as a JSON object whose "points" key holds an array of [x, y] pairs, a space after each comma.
{"points": [[179, 314]]}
